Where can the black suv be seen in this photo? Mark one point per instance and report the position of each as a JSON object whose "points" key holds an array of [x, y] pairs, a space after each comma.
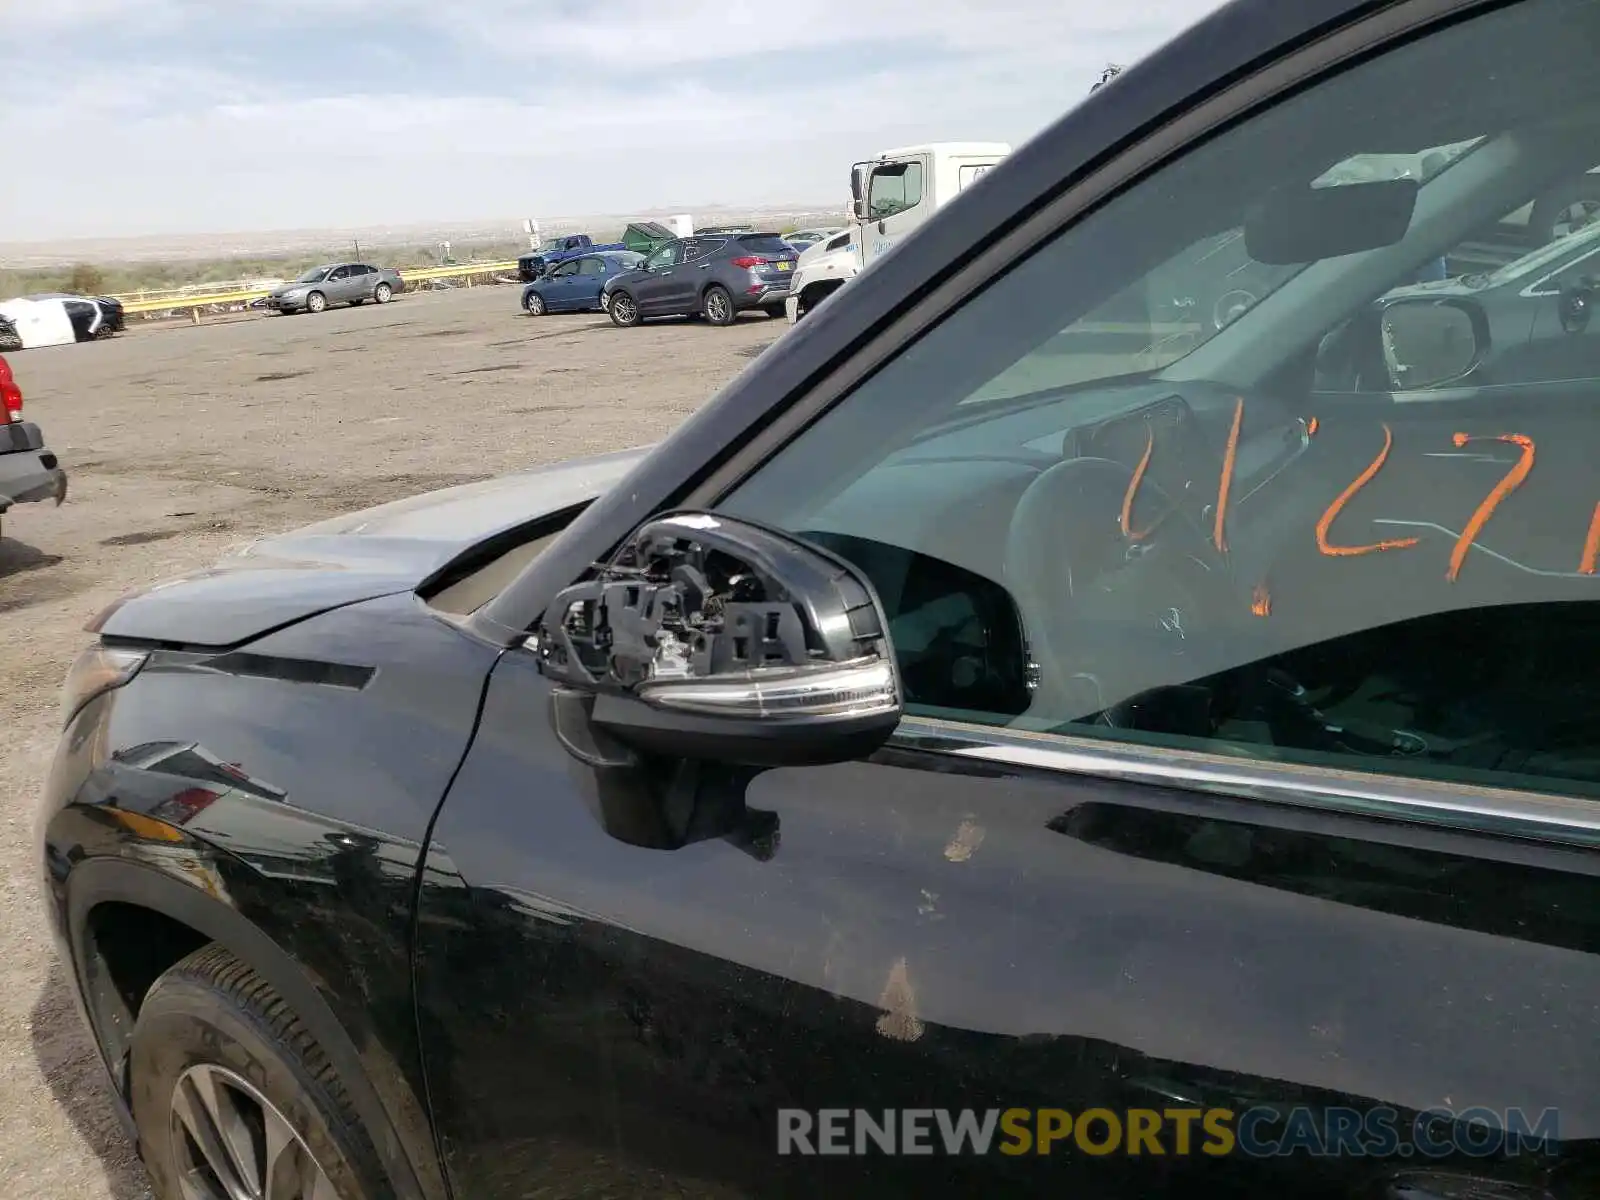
{"points": [[716, 276]]}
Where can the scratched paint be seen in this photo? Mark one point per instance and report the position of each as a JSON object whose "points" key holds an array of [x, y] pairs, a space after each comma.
{"points": [[899, 1003]]}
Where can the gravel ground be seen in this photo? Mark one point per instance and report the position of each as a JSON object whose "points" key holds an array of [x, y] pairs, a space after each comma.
{"points": [[180, 442]]}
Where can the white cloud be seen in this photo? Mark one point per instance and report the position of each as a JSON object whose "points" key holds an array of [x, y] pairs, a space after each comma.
{"points": [[655, 104]]}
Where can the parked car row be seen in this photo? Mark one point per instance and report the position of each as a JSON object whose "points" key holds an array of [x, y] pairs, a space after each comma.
{"points": [[712, 275]]}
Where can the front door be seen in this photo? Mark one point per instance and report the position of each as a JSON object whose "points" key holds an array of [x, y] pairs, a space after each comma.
{"points": [[559, 291], [1229, 847], [338, 285], [654, 291], [899, 198]]}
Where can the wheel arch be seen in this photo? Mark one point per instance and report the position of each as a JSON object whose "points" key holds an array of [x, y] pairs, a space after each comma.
{"points": [[187, 916]]}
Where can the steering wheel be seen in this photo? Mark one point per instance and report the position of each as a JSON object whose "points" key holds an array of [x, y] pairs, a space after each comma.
{"points": [[1108, 617]]}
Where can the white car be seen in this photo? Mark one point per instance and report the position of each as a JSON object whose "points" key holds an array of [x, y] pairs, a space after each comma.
{"points": [[59, 318], [823, 269], [804, 239]]}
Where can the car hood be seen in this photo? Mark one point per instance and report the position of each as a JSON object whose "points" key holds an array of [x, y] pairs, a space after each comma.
{"points": [[394, 547]]}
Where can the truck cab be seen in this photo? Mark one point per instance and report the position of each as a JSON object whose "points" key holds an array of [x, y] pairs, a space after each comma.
{"points": [[899, 189], [891, 195]]}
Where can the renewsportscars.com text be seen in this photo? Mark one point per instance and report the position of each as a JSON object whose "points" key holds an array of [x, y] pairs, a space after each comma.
{"points": [[1215, 1132]]}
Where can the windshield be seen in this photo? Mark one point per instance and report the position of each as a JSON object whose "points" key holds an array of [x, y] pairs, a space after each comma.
{"points": [[1182, 303], [314, 275], [764, 243], [552, 244]]}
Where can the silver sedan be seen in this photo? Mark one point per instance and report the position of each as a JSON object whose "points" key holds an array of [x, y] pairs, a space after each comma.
{"points": [[336, 283]]}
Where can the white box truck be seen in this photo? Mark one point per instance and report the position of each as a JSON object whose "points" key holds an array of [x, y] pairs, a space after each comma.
{"points": [[890, 196]]}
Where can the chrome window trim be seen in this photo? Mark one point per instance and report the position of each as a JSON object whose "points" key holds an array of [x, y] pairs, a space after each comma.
{"points": [[1499, 812]]}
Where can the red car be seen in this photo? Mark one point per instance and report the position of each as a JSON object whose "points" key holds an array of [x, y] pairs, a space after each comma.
{"points": [[28, 471]]}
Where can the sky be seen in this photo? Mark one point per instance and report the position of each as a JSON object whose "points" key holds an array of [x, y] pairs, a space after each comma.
{"points": [[144, 117]]}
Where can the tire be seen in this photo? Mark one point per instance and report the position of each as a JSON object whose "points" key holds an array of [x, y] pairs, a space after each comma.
{"points": [[717, 305], [212, 1037], [357, 303], [316, 302], [1560, 212], [535, 305], [382, 294], [775, 311], [623, 310]]}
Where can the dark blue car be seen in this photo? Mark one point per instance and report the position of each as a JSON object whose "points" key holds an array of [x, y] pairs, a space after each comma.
{"points": [[575, 286]]}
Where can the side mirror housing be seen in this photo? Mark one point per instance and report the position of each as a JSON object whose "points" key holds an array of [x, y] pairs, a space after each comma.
{"points": [[858, 190], [1429, 343], [717, 640]]}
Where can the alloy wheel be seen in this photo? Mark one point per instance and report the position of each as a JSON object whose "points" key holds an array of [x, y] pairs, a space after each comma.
{"points": [[232, 1144], [718, 308]]}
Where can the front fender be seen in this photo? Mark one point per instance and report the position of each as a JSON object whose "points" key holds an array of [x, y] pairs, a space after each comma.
{"points": [[192, 883]]}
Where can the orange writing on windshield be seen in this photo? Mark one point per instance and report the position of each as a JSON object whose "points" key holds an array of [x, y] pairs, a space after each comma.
{"points": [[1591, 545], [1326, 522], [1219, 534], [1511, 482], [1126, 519]]}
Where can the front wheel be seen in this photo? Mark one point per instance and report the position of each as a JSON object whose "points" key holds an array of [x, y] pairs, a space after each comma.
{"points": [[624, 310], [383, 293], [718, 305], [316, 302], [773, 310], [534, 304], [232, 1098]]}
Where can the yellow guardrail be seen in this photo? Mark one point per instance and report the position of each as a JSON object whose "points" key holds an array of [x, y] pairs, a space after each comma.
{"points": [[194, 303]]}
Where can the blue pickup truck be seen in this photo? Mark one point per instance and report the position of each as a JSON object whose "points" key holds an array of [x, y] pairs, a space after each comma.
{"points": [[554, 250], [641, 238]]}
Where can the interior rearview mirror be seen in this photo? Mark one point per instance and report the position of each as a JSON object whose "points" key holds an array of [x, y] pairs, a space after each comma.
{"points": [[1303, 225], [717, 640], [1428, 343]]}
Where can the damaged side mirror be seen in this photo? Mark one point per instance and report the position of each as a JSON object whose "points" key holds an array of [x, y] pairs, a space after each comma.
{"points": [[712, 640]]}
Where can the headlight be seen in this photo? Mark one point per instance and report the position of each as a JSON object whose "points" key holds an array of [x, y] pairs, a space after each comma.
{"points": [[98, 669]]}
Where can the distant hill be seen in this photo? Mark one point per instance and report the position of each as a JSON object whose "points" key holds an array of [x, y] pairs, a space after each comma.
{"points": [[34, 256]]}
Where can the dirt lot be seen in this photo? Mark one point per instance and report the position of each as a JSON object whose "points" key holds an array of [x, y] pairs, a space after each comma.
{"points": [[180, 442]]}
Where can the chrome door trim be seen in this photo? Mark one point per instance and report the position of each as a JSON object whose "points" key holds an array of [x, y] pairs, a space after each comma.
{"points": [[1500, 812]]}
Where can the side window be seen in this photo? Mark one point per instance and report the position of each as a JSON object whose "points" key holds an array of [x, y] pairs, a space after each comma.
{"points": [[339, 273], [1092, 508], [592, 266], [669, 255], [564, 270], [895, 188]]}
